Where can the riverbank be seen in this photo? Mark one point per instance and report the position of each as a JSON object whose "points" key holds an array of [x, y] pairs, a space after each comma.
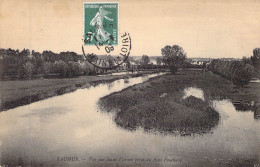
{"points": [[158, 104], [20, 92]]}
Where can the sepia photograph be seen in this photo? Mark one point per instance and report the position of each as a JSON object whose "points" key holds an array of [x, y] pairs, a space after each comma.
{"points": [[129, 83]]}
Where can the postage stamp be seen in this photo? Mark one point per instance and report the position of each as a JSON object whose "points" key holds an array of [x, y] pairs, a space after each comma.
{"points": [[100, 23], [101, 30]]}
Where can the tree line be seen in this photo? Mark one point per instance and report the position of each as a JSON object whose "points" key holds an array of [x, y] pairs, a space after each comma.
{"points": [[240, 72], [27, 64], [15, 63], [173, 58]]}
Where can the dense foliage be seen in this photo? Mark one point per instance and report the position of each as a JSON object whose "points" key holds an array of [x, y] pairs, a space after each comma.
{"points": [[145, 61], [174, 57], [240, 72], [15, 63]]}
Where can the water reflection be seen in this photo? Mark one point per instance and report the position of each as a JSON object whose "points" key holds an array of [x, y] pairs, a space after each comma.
{"points": [[192, 91], [120, 73], [69, 125], [110, 85], [123, 73], [236, 119], [255, 80], [257, 112], [126, 80]]}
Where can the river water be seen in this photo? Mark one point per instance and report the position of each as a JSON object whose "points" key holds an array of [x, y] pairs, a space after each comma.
{"points": [[70, 130], [120, 73]]}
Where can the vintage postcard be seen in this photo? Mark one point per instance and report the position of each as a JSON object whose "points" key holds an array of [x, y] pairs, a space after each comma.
{"points": [[117, 83]]}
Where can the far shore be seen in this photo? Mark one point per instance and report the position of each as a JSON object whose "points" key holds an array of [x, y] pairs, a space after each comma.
{"points": [[16, 93]]}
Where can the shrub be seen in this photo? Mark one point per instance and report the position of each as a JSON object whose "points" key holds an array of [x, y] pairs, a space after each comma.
{"points": [[74, 68], [242, 74], [88, 69], [61, 68]]}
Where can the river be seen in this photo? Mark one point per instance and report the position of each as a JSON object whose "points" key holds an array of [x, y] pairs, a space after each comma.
{"points": [[70, 130]]}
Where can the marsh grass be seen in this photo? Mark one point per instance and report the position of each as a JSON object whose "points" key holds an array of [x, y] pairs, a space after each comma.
{"points": [[141, 105]]}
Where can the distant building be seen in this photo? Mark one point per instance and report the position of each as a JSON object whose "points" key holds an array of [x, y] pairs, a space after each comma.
{"points": [[198, 61]]}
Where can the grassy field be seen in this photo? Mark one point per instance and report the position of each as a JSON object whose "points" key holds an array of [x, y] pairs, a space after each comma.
{"points": [[20, 92], [142, 106]]}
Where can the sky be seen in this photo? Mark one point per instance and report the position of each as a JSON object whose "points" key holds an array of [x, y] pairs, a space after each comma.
{"points": [[203, 28]]}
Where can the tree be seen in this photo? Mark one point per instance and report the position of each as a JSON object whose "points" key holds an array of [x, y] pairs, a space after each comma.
{"points": [[50, 56], [47, 68], [145, 60], [74, 68], [38, 61], [174, 57], [61, 68], [21, 71], [128, 64], [110, 60], [245, 60], [255, 59], [10, 61], [92, 57], [159, 61], [88, 68], [29, 69], [22, 59], [241, 74]]}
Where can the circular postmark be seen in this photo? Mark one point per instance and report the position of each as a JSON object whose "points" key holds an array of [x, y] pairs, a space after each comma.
{"points": [[101, 31], [111, 62]]}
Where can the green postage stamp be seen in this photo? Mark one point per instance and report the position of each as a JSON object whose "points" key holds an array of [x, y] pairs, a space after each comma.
{"points": [[100, 23]]}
